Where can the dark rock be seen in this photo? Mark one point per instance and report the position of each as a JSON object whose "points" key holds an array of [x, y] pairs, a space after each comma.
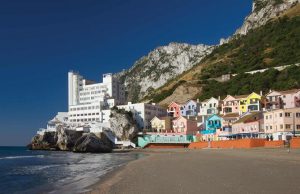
{"points": [[43, 142], [66, 138], [91, 143]]}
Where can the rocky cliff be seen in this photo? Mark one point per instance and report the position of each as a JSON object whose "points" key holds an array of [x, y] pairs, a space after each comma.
{"points": [[159, 66], [262, 12]]}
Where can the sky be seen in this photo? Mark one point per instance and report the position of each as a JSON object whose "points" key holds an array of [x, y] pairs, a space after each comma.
{"points": [[41, 40]]}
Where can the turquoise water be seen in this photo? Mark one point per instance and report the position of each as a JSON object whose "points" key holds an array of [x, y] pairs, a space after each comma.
{"points": [[25, 171]]}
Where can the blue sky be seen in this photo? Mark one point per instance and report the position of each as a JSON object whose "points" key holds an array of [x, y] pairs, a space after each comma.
{"points": [[41, 40]]}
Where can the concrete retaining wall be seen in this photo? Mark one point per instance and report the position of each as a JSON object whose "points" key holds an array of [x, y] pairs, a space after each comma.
{"points": [[240, 143], [295, 143]]}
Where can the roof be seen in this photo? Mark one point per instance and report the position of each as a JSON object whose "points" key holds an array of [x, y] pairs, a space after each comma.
{"points": [[255, 116], [241, 96], [206, 100], [193, 118], [230, 115], [180, 104], [289, 91]]}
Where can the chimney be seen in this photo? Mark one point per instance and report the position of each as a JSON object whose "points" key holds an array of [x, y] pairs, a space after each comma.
{"points": [[219, 98], [260, 93]]}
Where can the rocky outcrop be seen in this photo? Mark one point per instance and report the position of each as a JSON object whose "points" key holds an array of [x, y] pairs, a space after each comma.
{"points": [[122, 125], [262, 12], [66, 139], [91, 143], [43, 142], [159, 66]]}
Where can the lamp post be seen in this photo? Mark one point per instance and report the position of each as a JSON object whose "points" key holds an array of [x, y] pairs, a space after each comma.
{"points": [[294, 127]]}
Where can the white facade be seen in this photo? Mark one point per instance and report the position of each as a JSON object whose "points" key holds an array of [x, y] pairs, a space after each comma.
{"points": [[60, 119], [143, 113], [91, 102], [209, 107]]}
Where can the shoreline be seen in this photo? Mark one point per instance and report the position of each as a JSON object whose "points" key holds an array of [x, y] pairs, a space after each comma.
{"points": [[194, 171]]}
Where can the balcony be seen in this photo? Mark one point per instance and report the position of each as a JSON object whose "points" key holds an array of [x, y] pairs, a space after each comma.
{"points": [[209, 131]]}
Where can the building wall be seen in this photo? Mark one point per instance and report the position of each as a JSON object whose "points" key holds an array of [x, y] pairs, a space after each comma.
{"points": [[289, 99], [143, 113], [282, 120], [174, 109], [191, 108], [246, 102], [251, 127], [211, 105], [91, 102], [230, 102]]}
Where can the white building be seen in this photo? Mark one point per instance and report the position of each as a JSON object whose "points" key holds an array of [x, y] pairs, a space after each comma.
{"points": [[143, 113], [90, 102], [60, 119]]}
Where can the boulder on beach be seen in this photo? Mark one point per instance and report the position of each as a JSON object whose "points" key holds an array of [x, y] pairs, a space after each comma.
{"points": [[91, 143]]}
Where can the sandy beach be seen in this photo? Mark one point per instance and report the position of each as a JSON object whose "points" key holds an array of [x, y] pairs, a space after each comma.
{"points": [[207, 171]]}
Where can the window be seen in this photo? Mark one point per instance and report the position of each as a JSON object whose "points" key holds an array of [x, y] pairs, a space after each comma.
{"points": [[267, 127], [267, 117], [298, 114], [281, 126], [287, 126], [298, 127], [280, 114], [287, 114]]}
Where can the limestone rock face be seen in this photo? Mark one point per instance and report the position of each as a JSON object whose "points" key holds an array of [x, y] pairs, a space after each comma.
{"points": [[122, 125], [159, 66], [262, 12], [66, 138], [91, 143]]}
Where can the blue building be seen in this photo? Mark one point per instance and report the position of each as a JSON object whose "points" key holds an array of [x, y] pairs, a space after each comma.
{"points": [[212, 123]]}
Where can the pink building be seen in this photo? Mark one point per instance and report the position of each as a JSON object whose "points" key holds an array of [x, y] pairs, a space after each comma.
{"points": [[281, 123], [183, 125], [249, 126], [231, 104], [174, 109], [282, 99]]}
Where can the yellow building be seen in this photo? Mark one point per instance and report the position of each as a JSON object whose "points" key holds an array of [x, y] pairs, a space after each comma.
{"points": [[251, 103], [161, 124]]}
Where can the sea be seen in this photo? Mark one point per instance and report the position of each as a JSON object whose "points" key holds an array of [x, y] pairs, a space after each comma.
{"points": [[26, 171]]}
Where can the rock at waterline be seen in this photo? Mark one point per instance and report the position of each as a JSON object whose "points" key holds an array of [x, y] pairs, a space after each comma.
{"points": [[91, 143]]}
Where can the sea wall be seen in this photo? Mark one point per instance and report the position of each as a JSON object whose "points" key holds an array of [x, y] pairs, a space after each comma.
{"points": [[295, 143], [240, 143]]}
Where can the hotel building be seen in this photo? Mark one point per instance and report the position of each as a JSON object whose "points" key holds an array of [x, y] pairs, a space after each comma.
{"points": [[90, 101]]}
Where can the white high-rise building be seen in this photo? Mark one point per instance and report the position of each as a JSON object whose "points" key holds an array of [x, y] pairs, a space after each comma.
{"points": [[90, 101]]}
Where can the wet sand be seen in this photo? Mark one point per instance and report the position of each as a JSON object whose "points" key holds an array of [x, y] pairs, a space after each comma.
{"points": [[207, 171]]}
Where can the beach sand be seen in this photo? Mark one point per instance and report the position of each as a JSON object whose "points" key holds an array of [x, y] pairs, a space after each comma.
{"points": [[207, 171]]}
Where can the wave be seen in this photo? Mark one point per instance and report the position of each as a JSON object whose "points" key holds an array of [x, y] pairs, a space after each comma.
{"points": [[20, 157]]}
